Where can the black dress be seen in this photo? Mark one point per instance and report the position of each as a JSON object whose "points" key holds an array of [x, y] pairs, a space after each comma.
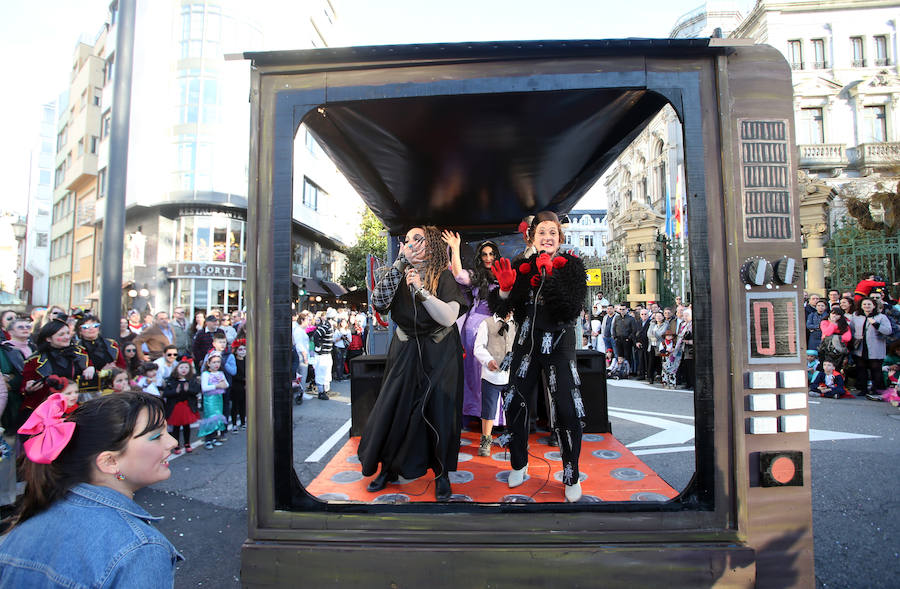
{"points": [[415, 423]]}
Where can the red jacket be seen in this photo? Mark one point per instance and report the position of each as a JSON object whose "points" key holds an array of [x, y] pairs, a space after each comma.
{"points": [[38, 367]]}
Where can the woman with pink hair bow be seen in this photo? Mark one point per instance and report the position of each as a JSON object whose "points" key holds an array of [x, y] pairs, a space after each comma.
{"points": [[78, 524]]}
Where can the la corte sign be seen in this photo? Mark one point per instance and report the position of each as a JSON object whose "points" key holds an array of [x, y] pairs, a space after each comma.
{"points": [[206, 270]]}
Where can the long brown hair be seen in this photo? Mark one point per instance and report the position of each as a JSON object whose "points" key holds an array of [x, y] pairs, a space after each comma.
{"points": [[104, 424], [437, 259]]}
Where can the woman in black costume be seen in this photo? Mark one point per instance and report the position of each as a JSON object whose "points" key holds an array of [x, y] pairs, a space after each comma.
{"points": [[545, 293], [415, 423]]}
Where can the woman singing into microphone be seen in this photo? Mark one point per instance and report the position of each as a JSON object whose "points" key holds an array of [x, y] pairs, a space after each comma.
{"points": [[545, 293], [415, 423]]}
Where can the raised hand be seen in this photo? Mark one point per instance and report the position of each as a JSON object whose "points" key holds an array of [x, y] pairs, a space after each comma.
{"points": [[544, 264], [450, 238], [503, 271]]}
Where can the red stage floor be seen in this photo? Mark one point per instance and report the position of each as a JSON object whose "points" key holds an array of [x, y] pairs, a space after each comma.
{"points": [[609, 472]]}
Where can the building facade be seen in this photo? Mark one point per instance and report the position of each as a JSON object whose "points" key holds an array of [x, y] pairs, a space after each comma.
{"points": [[587, 232], [187, 175], [35, 272]]}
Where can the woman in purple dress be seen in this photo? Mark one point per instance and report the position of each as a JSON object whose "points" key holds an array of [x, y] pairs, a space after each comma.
{"points": [[476, 284]]}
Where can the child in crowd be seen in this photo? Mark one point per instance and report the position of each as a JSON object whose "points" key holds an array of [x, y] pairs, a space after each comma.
{"points": [[812, 365], [238, 388], [493, 346], [220, 345], [180, 393], [213, 384], [146, 378], [666, 354], [892, 393], [67, 388], [828, 383]]}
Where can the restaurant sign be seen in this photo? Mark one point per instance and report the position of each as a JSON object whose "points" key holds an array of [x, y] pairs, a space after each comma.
{"points": [[206, 270]]}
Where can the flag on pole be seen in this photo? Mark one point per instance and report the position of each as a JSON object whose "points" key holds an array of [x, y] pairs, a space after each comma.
{"points": [[679, 205]]}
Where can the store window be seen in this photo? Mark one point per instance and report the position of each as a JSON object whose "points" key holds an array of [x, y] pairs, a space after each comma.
{"points": [[300, 265], [210, 238]]}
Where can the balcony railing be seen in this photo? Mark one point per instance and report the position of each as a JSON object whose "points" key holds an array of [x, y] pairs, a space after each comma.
{"points": [[858, 63], [797, 65], [882, 62], [879, 154], [820, 65], [826, 155]]}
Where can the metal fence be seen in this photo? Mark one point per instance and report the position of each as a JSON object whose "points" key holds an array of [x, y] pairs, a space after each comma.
{"points": [[849, 259]]}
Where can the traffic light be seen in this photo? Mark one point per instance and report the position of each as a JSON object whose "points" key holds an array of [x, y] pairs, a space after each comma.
{"points": [[302, 292]]}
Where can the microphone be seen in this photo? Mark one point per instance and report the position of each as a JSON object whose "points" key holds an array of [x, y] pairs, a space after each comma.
{"points": [[543, 270]]}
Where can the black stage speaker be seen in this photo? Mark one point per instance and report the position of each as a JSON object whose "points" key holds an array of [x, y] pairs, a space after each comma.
{"points": [[366, 372], [592, 371]]}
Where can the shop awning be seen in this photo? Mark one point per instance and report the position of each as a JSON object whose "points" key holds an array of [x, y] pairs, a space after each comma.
{"points": [[311, 285], [335, 288]]}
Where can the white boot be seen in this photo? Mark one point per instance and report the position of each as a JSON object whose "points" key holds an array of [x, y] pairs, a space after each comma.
{"points": [[517, 477], [573, 492]]}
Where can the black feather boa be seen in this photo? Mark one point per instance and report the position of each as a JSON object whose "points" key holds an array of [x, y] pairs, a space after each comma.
{"points": [[563, 292]]}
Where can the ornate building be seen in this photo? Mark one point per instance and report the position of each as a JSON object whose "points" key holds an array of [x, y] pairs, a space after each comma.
{"points": [[637, 187]]}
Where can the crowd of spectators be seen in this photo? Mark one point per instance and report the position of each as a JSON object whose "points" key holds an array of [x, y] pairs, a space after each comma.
{"points": [[650, 343], [853, 342], [324, 343]]}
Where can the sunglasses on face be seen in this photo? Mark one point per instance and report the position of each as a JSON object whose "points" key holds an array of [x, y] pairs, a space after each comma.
{"points": [[171, 355], [90, 325]]}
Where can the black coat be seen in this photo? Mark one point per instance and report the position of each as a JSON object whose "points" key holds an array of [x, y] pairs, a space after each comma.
{"points": [[641, 337], [173, 394]]}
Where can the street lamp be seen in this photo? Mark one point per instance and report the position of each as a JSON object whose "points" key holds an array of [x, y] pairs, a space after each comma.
{"points": [[19, 228]]}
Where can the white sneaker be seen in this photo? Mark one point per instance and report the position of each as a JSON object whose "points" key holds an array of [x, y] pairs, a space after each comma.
{"points": [[573, 492], [517, 477]]}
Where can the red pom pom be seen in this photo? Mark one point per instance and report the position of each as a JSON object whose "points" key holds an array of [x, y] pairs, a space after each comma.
{"points": [[535, 280], [524, 268], [523, 227], [559, 262]]}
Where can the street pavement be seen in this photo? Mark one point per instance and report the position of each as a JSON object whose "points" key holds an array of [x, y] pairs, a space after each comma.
{"points": [[854, 464]]}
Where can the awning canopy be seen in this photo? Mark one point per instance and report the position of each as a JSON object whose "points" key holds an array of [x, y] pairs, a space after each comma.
{"points": [[335, 288], [311, 285]]}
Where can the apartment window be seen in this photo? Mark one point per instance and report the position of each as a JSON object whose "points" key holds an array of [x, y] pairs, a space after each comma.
{"points": [[44, 178], [94, 141], [201, 30], [819, 54], [109, 69], [881, 50], [61, 138], [810, 126], [60, 175], [80, 150], [69, 159], [101, 183], [81, 291], [301, 256], [859, 57], [874, 124], [98, 92], [312, 146], [106, 125], [587, 240], [795, 51], [41, 240], [311, 193]]}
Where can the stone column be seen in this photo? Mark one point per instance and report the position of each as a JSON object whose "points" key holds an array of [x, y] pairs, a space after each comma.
{"points": [[814, 254], [634, 273], [651, 269]]}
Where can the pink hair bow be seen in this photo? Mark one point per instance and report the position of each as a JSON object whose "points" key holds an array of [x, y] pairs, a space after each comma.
{"points": [[49, 432]]}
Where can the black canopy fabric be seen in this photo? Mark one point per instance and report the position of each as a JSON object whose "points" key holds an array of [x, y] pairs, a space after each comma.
{"points": [[479, 160]]}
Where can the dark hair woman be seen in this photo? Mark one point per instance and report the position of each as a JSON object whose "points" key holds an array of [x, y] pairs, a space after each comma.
{"points": [[55, 355], [415, 423], [476, 284], [545, 294], [180, 392], [6, 318], [870, 331], [81, 473], [132, 362]]}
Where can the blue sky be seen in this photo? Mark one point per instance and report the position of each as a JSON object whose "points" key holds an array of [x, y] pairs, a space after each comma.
{"points": [[38, 38]]}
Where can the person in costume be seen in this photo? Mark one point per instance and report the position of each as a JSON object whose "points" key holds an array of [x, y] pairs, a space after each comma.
{"points": [[493, 350], [476, 284], [214, 385], [415, 423], [55, 355], [78, 524], [104, 353], [545, 294]]}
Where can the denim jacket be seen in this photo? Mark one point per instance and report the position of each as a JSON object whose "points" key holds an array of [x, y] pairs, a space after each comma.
{"points": [[94, 537]]}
